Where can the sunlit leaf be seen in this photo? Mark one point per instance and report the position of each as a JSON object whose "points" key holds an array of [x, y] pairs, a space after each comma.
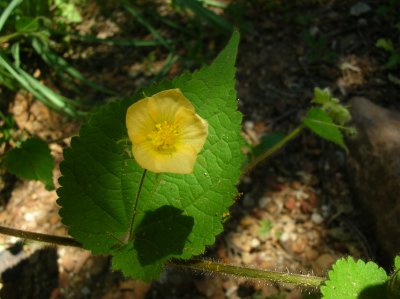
{"points": [[353, 280], [177, 215]]}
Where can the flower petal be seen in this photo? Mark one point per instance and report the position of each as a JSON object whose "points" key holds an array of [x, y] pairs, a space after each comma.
{"points": [[194, 128], [181, 161], [164, 105], [138, 121], [166, 132]]}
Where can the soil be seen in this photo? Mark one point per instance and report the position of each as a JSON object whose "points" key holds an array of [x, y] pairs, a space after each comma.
{"points": [[296, 210]]}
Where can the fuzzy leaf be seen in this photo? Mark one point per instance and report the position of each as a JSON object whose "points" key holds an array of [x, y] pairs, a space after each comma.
{"points": [[321, 124], [177, 215], [32, 161], [349, 279]]}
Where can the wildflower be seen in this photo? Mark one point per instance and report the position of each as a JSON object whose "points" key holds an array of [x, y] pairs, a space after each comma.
{"points": [[166, 132]]}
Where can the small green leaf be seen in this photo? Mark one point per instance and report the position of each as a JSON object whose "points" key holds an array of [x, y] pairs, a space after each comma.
{"points": [[32, 161], [393, 61], [385, 44], [265, 227], [321, 96], [68, 11], [339, 114], [321, 124], [349, 279], [397, 262]]}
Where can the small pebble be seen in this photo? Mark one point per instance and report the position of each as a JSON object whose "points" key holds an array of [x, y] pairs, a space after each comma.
{"points": [[317, 218], [285, 237], [264, 201], [255, 243], [247, 258], [290, 203]]}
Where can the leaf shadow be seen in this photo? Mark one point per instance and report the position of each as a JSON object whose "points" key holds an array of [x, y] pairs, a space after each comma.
{"points": [[162, 233], [374, 291]]}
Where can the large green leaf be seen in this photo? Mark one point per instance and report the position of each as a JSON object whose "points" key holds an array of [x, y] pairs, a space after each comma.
{"points": [[177, 215], [32, 161]]}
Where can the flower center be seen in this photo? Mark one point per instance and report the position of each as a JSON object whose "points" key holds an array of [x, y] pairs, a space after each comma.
{"points": [[164, 136]]}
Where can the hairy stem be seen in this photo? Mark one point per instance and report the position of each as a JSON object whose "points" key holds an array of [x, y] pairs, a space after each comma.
{"points": [[193, 264], [132, 222], [253, 163], [57, 240], [250, 273]]}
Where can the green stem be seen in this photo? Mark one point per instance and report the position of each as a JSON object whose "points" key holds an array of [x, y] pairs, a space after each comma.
{"points": [[252, 164], [250, 273], [193, 264], [132, 222], [65, 241]]}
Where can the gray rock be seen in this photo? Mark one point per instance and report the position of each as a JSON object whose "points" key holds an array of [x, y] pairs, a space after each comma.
{"points": [[374, 168]]}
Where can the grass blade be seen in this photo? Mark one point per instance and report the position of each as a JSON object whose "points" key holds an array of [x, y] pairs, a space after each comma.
{"points": [[40, 91], [61, 66], [7, 12], [113, 41], [169, 61], [134, 12], [7, 80], [15, 50], [214, 3], [206, 14]]}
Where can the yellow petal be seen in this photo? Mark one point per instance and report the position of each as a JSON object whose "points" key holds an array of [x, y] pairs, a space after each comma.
{"points": [[194, 128], [138, 121], [165, 104], [166, 132], [181, 161]]}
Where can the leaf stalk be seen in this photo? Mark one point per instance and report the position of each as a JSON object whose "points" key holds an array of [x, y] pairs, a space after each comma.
{"points": [[132, 222], [257, 160]]}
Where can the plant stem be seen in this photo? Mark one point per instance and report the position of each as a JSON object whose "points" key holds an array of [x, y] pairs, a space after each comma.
{"points": [[58, 240], [193, 264], [132, 222], [268, 275], [253, 163]]}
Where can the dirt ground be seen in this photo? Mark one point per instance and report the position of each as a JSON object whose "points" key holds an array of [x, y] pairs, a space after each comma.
{"points": [[296, 210]]}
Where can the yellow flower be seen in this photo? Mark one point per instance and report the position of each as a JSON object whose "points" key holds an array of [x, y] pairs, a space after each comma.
{"points": [[166, 132]]}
